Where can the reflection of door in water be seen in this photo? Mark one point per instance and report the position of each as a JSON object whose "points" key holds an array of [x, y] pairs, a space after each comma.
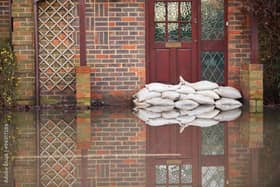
{"points": [[172, 40], [196, 157]]}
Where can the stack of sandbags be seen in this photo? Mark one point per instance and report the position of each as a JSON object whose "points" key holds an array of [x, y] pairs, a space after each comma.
{"points": [[203, 99]]}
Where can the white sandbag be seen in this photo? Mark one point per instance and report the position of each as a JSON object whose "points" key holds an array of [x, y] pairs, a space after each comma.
{"points": [[160, 102], [145, 94], [228, 92], [204, 122], [140, 104], [209, 93], [182, 127], [201, 99], [170, 114], [145, 115], [183, 97], [199, 110], [184, 82], [160, 109], [185, 119], [161, 122], [204, 85], [186, 104], [226, 104], [160, 87], [208, 115], [173, 95], [229, 115], [185, 89]]}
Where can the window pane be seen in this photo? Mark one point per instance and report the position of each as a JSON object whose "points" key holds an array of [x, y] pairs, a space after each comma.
{"points": [[213, 176], [173, 174], [159, 32], [186, 174], [186, 32], [172, 8], [212, 19], [173, 32], [161, 173], [213, 140], [212, 66], [160, 12], [186, 11]]}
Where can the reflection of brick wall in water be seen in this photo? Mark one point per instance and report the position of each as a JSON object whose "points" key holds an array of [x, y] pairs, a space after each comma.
{"points": [[245, 138], [116, 141], [25, 168], [238, 157]]}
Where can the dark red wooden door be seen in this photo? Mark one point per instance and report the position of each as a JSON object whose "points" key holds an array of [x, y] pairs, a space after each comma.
{"points": [[172, 40]]}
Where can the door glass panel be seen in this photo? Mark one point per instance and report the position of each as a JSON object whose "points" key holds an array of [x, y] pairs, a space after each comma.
{"points": [[186, 32], [213, 176], [213, 140], [173, 171], [186, 12], [186, 173], [212, 19], [160, 12], [161, 172], [172, 31], [160, 32], [168, 26], [212, 66], [175, 175], [172, 8]]}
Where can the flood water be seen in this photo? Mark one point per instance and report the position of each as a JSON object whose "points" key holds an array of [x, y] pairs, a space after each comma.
{"points": [[110, 148]]}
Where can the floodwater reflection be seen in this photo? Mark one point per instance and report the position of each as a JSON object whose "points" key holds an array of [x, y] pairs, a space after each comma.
{"points": [[115, 148]]}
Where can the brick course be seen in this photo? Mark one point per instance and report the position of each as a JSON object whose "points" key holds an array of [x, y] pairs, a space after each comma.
{"points": [[4, 19]]}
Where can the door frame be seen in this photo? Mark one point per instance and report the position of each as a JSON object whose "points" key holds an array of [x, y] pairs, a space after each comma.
{"points": [[197, 65]]}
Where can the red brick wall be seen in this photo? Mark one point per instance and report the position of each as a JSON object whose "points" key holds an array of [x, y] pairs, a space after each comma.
{"points": [[116, 48], [22, 39], [245, 140], [4, 19], [239, 45]]}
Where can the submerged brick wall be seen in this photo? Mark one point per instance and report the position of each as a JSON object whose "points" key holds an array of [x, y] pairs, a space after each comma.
{"points": [[239, 44], [116, 48], [4, 19]]}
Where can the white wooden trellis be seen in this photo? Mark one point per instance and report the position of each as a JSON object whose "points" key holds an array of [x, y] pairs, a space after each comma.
{"points": [[56, 43]]}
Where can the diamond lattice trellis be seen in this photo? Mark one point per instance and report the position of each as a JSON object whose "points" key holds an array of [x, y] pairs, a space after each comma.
{"points": [[213, 140], [212, 66], [56, 41], [57, 153], [213, 176]]}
